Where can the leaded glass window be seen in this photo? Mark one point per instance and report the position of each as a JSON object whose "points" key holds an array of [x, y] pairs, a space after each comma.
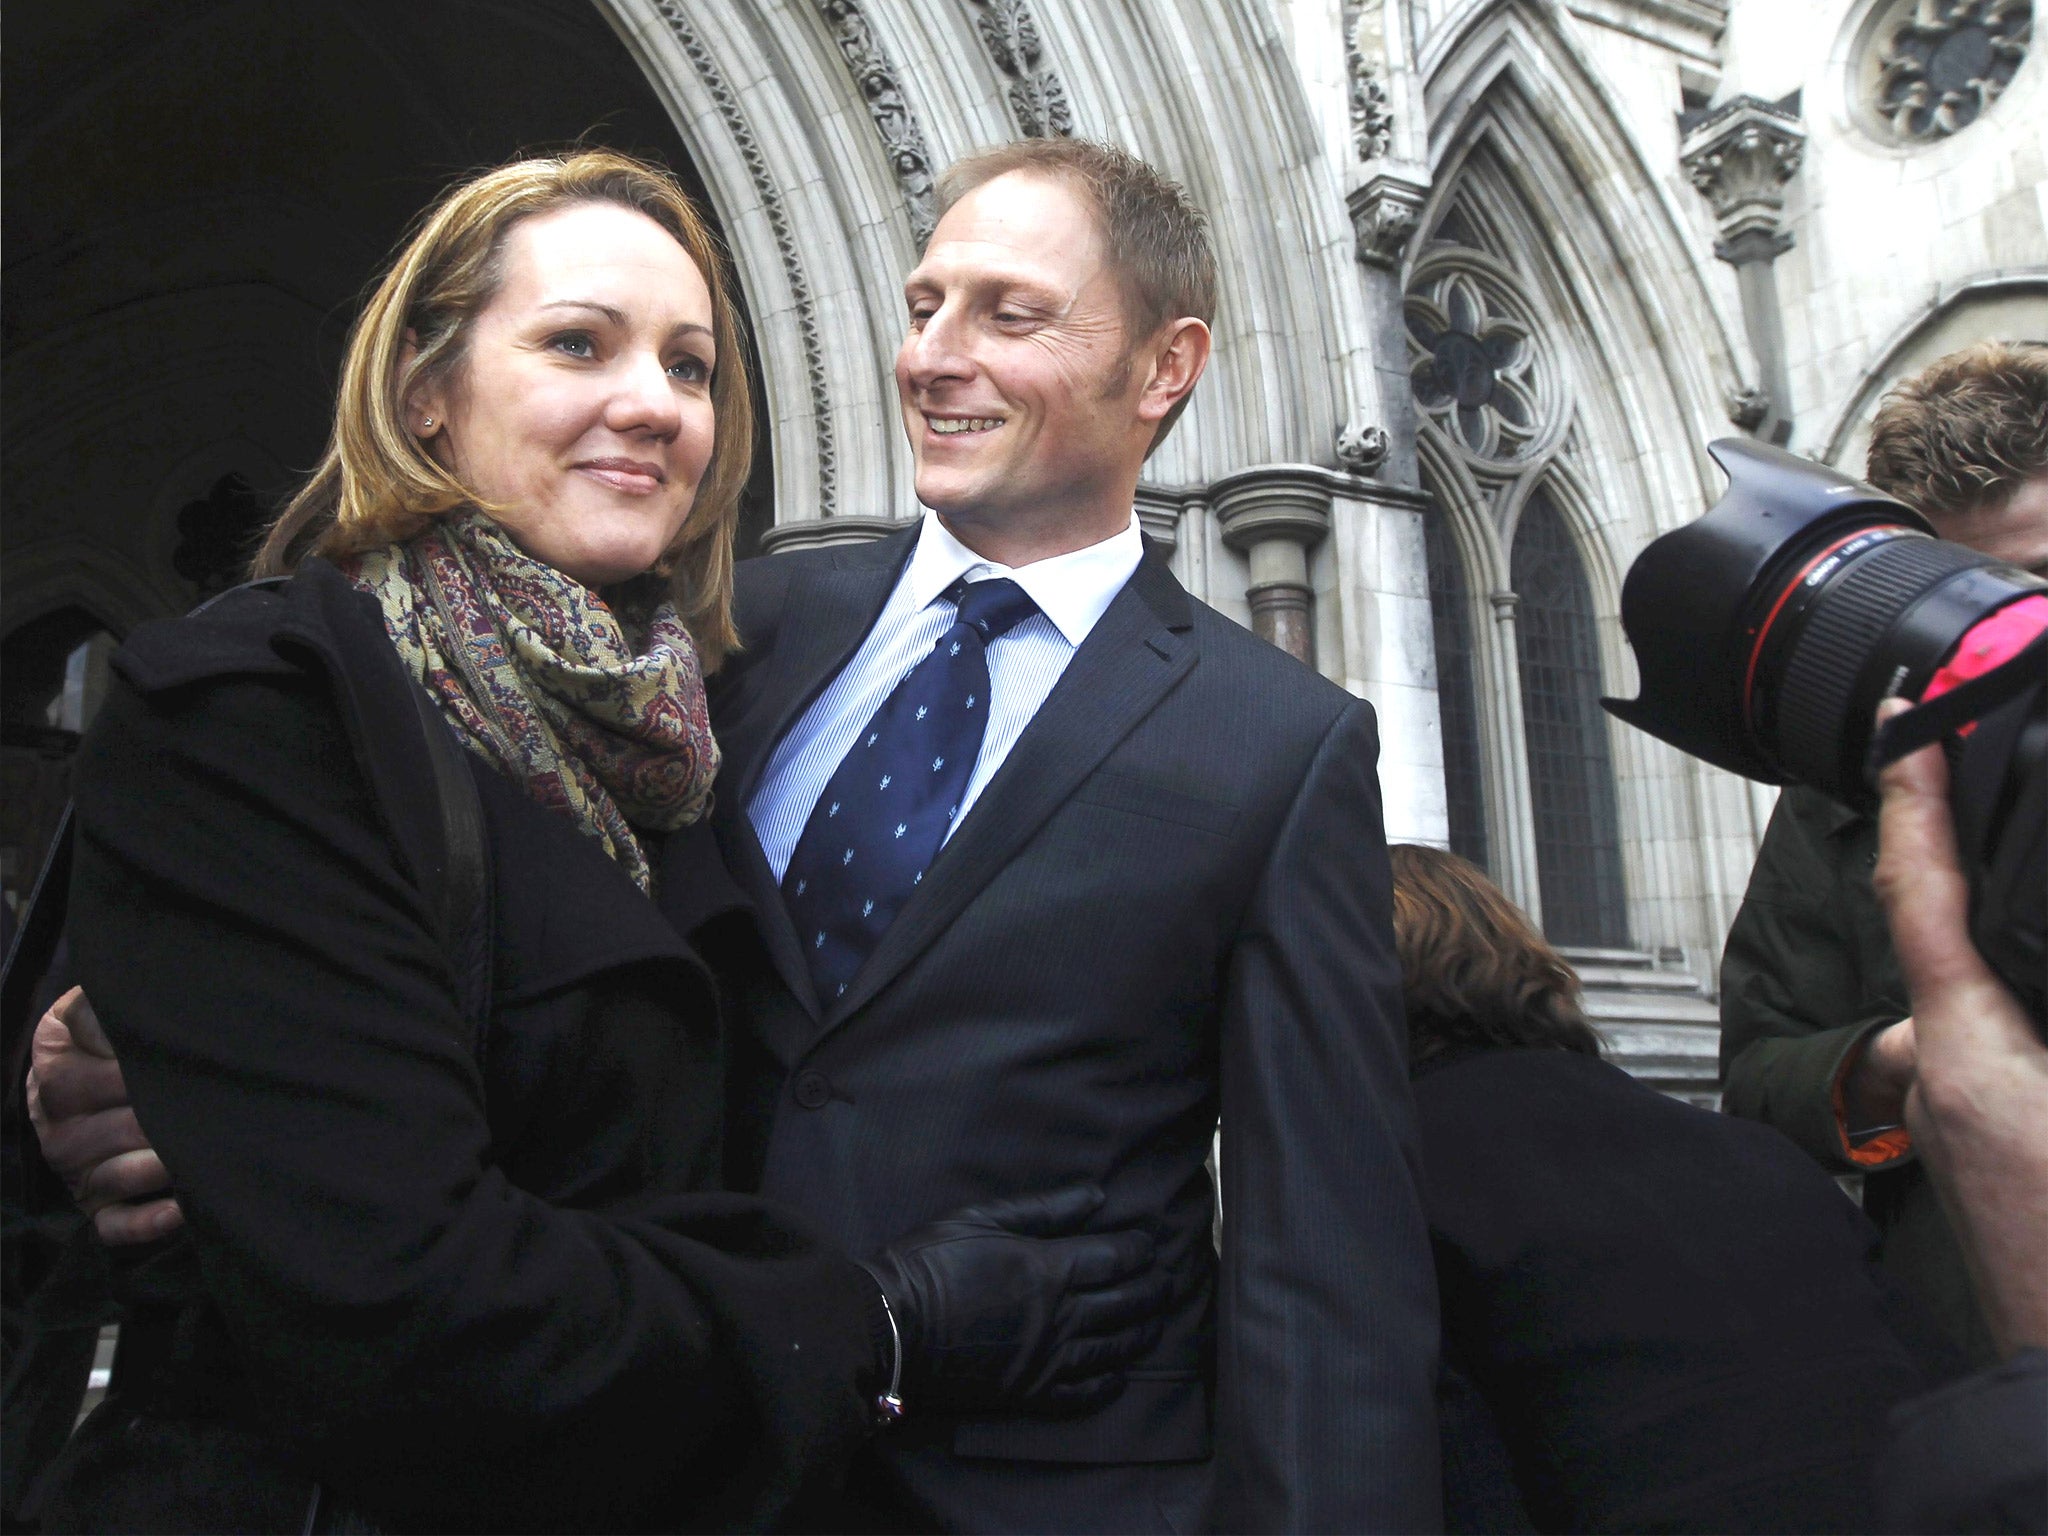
{"points": [[1571, 773], [1457, 691]]}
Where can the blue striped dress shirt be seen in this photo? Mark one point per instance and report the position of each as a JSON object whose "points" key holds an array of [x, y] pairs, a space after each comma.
{"points": [[1072, 592]]}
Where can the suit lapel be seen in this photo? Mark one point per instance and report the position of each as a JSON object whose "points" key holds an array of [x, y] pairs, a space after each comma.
{"points": [[1137, 652], [826, 614]]}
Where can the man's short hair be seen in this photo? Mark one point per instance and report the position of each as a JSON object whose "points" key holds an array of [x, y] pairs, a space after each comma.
{"points": [[1156, 239], [1965, 432]]}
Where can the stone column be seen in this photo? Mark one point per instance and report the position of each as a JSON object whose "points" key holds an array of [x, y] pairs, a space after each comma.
{"points": [[1740, 156], [1274, 515], [1512, 836]]}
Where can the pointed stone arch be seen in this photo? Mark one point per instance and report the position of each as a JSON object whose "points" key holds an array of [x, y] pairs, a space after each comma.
{"points": [[817, 125], [1521, 129]]}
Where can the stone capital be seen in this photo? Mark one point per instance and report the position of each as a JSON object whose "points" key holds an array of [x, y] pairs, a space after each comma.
{"points": [[1385, 210], [1159, 514], [1272, 501], [821, 532], [1740, 156]]}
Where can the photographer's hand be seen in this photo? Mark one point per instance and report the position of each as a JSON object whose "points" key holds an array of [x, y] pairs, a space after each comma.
{"points": [[1979, 1097]]}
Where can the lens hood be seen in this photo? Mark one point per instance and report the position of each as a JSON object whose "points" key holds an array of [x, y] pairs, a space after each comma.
{"points": [[1696, 604]]}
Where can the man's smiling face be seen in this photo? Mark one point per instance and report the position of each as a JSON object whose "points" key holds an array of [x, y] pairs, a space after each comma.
{"points": [[1017, 390]]}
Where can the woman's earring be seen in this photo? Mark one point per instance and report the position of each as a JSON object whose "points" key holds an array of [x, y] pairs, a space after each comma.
{"points": [[426, 424]]}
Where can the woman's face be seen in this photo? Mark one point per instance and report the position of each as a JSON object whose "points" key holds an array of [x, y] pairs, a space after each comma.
{"points": [[582, 407]]}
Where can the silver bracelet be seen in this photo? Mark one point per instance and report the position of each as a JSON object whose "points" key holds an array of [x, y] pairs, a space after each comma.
{"points": [[889, 1406]]}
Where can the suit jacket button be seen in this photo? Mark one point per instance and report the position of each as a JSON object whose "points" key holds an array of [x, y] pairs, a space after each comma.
{"points": [[813, 1090]]}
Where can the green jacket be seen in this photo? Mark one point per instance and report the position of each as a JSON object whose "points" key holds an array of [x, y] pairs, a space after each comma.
{"points": [[1808, 974]]}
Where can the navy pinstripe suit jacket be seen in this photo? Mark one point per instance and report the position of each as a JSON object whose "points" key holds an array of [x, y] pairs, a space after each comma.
{"points": [[1171, 902]]}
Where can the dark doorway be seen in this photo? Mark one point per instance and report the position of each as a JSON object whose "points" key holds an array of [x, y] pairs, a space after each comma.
{"points": [[196, 193]]}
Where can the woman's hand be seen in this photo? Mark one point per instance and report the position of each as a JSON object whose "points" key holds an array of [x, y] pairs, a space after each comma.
{"points": [[89, 1134], [1008, 1305]]}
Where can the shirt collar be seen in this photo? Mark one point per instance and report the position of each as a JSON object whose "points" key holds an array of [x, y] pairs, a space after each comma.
{"points": [[1074, 590]]}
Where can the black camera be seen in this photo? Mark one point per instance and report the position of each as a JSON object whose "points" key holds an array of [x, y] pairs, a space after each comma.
{"points": [[1768, 631]]}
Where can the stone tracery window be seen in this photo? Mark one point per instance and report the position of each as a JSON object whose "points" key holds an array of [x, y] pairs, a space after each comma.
{"points": [[1498, 422], [1937, 64], [1472, 362]]}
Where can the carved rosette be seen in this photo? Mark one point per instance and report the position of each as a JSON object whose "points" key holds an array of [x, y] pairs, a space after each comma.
{"points": [[882, 89], [1943, 62], [1038, 97], [1740, 158]]}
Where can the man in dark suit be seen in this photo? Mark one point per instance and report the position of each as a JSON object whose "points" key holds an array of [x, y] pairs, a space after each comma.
{"points": [[1049, 865]]}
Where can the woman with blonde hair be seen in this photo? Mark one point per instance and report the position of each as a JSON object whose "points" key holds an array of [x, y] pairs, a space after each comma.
{"points": [[436, 1080], [1655, 1318]]}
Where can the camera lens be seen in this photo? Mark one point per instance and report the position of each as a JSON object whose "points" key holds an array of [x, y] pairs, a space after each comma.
{"points": [[1871, 616], [1768, 631]]}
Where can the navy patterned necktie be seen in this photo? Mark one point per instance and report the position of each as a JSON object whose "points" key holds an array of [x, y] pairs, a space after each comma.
{"points": [[884, 815]]}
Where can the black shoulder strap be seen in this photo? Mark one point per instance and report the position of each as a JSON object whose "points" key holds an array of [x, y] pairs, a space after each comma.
{"points": [[461, 884]]}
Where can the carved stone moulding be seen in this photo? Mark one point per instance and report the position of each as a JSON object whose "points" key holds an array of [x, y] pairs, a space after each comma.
{"points": [[1365, 62], [1385, 212], [677, 18], [882, 88], [822, 532], [1038, 97], [1159, 511], [1740, 156]]}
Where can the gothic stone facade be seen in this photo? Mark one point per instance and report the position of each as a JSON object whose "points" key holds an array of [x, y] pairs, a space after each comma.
{"points": [[1494, 273]]}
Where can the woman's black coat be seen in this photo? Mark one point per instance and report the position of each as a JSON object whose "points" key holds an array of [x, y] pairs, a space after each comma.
{"points": [[492, 1295], [1655, 1318]]}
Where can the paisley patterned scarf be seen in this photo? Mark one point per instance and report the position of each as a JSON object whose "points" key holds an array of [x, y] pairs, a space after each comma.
{"points": [[542, 678]]}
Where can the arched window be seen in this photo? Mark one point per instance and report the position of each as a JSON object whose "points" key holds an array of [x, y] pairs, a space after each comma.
{"points": [[1450, 614], [1571, 774]]}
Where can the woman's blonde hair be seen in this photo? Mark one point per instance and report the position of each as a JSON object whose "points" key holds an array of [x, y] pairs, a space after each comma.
{"points": [[377, 485], [1475, 973]]}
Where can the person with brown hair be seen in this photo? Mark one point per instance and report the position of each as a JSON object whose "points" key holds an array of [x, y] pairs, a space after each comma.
{"points": [[1964, 442], [1654, 1318], [1816, 1037], [450, 1247]]}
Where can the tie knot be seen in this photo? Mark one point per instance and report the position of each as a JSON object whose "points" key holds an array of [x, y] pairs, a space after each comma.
{"points": [[994, 608]]}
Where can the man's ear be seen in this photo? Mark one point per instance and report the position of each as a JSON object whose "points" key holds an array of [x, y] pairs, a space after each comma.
{"points": [[1179, 354]]}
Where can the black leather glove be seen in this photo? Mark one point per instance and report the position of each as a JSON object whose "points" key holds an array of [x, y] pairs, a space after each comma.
{"points": [[1007, 1305]]}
